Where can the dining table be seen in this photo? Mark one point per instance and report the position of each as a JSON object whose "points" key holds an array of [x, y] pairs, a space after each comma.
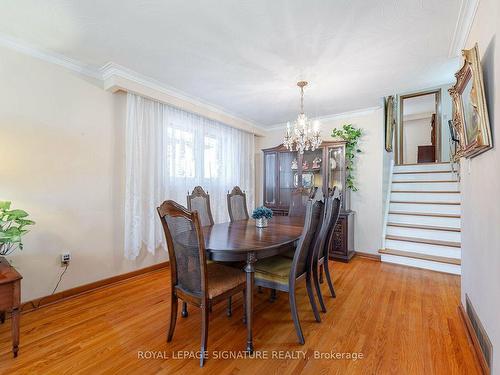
{"points": [[243, 241]]}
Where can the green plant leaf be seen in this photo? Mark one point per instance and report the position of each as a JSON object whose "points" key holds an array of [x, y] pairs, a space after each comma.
{"points": [[16, 214], [4, 205]]}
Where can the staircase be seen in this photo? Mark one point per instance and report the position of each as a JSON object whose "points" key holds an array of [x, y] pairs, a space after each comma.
{"points": [[423, 223]]}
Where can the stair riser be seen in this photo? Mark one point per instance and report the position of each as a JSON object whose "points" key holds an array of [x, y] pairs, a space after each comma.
{"points": [[419, 263], [423, 168], [426, 186], [423, 248], [426, 197], [425, 220], [426, 208], [424, 177], [426, 234]]}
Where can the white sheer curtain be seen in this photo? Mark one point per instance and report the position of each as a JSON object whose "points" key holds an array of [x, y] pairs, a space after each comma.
{"points": [[168, 152]]}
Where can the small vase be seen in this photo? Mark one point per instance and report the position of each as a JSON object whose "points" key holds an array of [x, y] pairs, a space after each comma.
{"points": [[261, 222]]}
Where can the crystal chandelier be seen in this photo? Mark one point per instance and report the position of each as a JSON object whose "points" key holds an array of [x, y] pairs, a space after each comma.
{"points": [[304, 135]]}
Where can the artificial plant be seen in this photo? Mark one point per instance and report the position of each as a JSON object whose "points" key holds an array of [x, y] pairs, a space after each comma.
{"points": [[262, 212], [13, 225], [351, 135]]}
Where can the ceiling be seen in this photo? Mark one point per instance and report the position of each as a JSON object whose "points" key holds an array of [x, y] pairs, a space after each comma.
{"points": [[245, 56]]}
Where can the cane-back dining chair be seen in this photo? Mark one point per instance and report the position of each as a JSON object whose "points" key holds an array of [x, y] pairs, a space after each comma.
{"points": [[237, 204], [199, 201], [191, 279], [321, 249], [316, 194], [281, 273]]}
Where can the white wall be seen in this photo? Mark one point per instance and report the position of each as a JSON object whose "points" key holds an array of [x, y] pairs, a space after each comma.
{"points": [[368, 201], [480, 187], [416, 133], [62, 161]]}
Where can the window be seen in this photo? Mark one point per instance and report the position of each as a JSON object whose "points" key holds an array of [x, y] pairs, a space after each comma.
{"points": [[180, 153], [210, 162]]}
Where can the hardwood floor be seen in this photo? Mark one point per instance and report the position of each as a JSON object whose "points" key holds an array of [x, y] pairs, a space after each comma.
{"points": [[402, 320]]}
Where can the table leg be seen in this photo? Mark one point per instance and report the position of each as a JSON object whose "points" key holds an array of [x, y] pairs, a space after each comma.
{"points": [[15, 331], [249, 269]]}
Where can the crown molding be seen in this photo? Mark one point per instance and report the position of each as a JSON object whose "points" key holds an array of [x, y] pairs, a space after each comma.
{"points": [[111, 73], [49, 56], [463, 26], [117, 77], [326, 118]]}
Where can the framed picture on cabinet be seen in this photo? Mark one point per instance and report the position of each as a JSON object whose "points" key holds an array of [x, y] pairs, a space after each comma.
{"points": [[307, 180]]}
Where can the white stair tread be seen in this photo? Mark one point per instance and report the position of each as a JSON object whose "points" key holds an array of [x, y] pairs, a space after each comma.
{"points": [[425, 197], [418, 226], [424, 202], [457, 216], [423, 248], [440, 186], [437, 221], [425, 167], [424, 208], [424, 241], [424, 234], [422, 264], [410, 254], [426, 192]]}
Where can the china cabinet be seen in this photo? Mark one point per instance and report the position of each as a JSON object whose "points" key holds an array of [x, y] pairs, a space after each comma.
{"points": [[286, 171]]}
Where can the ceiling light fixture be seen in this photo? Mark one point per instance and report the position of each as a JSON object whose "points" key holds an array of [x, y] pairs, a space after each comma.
{"points": [[305, 135]]}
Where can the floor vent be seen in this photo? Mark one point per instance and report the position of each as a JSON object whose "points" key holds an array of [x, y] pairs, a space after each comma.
{"points": [[482, 337]]}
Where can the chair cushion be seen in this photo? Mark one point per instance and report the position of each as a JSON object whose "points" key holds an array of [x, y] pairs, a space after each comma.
{"points": [[275, 269], [222, 278]]}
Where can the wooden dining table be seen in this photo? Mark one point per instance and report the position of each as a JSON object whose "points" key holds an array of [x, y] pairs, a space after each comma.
{"points": [[243, 241]]}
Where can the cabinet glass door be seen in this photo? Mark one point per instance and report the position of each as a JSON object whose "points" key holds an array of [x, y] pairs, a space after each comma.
{"points": [[288, 170], [270, 182], [336, 168], [311, 169]]}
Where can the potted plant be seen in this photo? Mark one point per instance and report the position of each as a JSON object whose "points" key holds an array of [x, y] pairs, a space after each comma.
{"points": [[351, 135], [13, 225], [262, 215]]}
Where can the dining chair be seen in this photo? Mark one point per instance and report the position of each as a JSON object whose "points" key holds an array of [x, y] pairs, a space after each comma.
{"points": [[320, 254], [192, 279], [281, 273], [315, 195], [237, 204], [313, 192], [298, 200], [199, 201]]}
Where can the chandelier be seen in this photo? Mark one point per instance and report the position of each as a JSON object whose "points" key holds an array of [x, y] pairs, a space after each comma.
{"points": [[304, 135]]}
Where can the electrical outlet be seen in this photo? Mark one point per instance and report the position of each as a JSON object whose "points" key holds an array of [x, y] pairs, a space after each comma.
{"points": [[65, 258]]}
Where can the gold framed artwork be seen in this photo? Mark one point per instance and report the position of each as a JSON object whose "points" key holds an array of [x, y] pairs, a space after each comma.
{"points": [[470, 113], [390, 122]]}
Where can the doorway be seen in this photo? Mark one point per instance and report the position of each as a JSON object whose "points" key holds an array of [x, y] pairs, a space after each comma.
{"points": [[419, 128]]}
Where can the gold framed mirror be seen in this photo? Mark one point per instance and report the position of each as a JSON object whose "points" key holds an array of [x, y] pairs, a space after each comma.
{"points": [[470, 112]]}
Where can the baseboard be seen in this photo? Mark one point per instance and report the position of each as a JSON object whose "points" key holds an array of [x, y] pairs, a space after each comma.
{"points": [[368, 255], [73, 292], [473, 338]]}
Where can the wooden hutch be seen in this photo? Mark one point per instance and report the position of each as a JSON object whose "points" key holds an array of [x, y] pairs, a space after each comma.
{"points": [[285, 171]]}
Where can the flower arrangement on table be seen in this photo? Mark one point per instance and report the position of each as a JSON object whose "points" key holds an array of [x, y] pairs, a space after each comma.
{"points": [[262, 215]]}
